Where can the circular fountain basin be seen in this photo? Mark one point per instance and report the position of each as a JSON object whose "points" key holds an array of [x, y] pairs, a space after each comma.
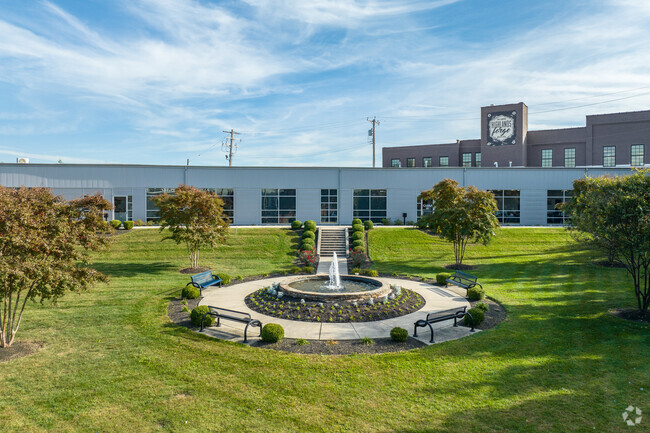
{"points": [[354, 288]]}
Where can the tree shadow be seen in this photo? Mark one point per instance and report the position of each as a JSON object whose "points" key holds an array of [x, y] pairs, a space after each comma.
{"points": [[130, 269]]}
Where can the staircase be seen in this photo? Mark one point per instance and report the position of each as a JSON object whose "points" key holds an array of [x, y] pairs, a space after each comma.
{"points": [[330, 240]]}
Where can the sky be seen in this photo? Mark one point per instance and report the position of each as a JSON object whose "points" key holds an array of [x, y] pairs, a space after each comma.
{"points": [[158, 81]]}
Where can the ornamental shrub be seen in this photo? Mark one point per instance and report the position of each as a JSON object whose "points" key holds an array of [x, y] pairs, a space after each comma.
{"points": [[307, 244], [356, 221], [357, 258], [398, 222], [368, 225], [356, 270], [358, 243], [421, 223], [357, 236], [225, 279], [310, 225], [441, 278], [477, 314], [190, 292], [295, 225], [475, 294], [308, 257], [399, 334], [295, 269], [197, 313], [360, 249], [385, 222], [116, 224], [482, 306], [371, 272], [357, 228], [128, 225], [308, 234], [139, 223], [308, 269], [272, 333]]}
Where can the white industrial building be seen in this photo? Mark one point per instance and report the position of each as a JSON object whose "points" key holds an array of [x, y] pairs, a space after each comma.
{"points": [[327, 195]]}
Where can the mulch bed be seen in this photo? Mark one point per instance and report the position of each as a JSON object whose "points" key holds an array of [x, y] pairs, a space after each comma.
{"points": [[193, 270], [631, 314], [19, 349], [176, 313], [495, 315], [340, 347], [460, 267]]}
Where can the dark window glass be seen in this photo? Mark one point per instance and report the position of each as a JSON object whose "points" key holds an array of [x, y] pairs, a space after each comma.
{"points": [[426, 162], [410, 162]]}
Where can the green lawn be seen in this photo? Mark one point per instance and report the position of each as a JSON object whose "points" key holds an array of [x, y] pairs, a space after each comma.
{"points": [[112, 361]]}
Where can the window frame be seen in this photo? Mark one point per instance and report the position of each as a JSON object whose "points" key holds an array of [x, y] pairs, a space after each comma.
{"points": [[547, 158]]}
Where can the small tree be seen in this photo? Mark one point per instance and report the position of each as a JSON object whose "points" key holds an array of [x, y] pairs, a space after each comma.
{"points": [[461, 215], [194, 217], [613, 215], [44, 246]]}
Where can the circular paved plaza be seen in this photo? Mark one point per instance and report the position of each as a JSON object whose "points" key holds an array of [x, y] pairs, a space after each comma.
{"points": [[232, 297]]}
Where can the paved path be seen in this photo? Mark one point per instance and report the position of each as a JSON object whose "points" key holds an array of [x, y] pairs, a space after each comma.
{"points": [[436, 298]]}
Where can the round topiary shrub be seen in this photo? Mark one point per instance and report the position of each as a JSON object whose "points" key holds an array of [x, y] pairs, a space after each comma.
{"points": [[116, 224], [310, 225], [441, 278], [371, 273], [357, 228], [295, 269], [308, 269], [358, 243], [308, 234], [197, 313], [475, 294], [368, 225], [127, 225], [272, 333], [190, 292], [356, 270], [225, 279], [362, 249], [477, 314], [307, 244], [357, 236], [399, 334], [295, 225], [482, 306], [356, 221]]}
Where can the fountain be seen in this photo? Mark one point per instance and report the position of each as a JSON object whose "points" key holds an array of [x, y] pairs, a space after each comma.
{"points": [[335, 278]]}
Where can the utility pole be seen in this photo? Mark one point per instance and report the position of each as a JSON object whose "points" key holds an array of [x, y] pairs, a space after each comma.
{"points": [[231, 147], [372, 133]]}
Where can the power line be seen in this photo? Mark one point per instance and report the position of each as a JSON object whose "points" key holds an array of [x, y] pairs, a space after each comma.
{"points": [[230, 147]]}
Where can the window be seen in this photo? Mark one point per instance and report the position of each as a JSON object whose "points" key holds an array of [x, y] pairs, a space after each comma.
{"points": [[410, 162], [570, 157], [395, 163], [467, 159], [636, 155], [228, 197], [278, 206], [152, 210], [477, 158], [424, 207], [123, 207], [609, 156], [369, 204], [426, 162], [547, 157], [329, 206], [508, 203], [444, 161], [553, 198]]}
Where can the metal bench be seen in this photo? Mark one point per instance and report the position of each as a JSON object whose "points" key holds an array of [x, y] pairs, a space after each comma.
{"points": [[237, 316], [203, 280], [441, 316], [461, 279]]}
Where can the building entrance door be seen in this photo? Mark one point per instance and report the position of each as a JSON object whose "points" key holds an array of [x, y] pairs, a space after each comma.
{"points": [[120, 208]]}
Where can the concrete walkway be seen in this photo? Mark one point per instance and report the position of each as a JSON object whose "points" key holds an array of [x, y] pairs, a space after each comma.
{"points": [[232, 297]]}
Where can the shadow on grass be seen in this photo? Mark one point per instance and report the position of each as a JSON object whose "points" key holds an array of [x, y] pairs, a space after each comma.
{"points": [[113, 269]]}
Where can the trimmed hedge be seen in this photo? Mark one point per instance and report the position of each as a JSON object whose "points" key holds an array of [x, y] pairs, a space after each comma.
{"points": [[475, 294], [295, 225], [306, 246], [190, 292], [310, 225], [385, 222], [441, 278], [357, 228], [370, 272], [356, 221], [116, 224], [308, 269], [355, 271], [368, 225], [272, 333], [295, 270], [308, 234], [357, 236], [477, 314], [127, 225], [225, 279], [362, 249], [399, 334], [358, 243], [197, 313]]}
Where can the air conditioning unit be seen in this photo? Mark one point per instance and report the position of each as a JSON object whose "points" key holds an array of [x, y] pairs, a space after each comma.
{"points": [[22, 160]]}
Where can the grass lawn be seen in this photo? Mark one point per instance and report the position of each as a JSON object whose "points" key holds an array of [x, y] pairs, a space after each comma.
{"points": [[112, 361]]}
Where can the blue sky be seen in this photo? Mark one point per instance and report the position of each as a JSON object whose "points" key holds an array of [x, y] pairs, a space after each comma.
{"points": [[156, 81]]}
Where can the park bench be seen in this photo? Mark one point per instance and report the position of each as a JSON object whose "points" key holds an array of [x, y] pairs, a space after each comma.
{"points": [[203, 280], [461, 279], [441, 316], [237, 316]]}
